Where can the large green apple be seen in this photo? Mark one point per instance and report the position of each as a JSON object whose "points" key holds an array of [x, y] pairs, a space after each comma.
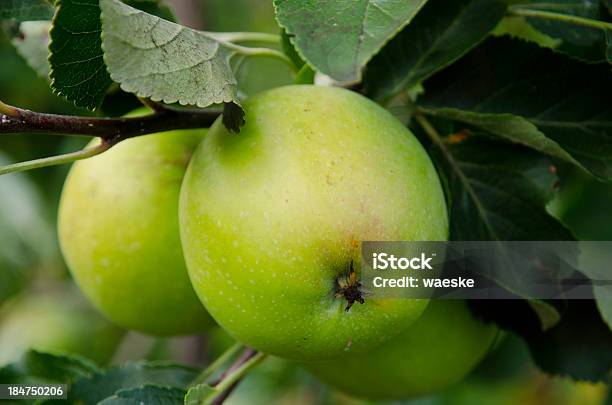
{"points": [[119, 233], [58, 322], [271, 220], [438, 350]]}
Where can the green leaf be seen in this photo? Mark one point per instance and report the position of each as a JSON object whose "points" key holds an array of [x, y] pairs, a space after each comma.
{"points": [[107, 383], [580, 346], [26, 10], [578, 41], [531, 96], [48, 367], [338, 37], [32, 44], [440, 34], [147, 394], [164, 61], [496, 191], [78, 71], [77, 68], [198, 393]]}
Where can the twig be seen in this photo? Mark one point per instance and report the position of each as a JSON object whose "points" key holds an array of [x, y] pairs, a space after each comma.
{"points": [[110, 130], [566, 18], [57, 160], [18, 120]]}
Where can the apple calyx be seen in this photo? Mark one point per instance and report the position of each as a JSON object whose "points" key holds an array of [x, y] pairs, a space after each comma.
{"points": [[348, 287]]}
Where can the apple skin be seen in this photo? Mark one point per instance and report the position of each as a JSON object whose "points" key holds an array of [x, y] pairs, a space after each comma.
{"points": [[57, 322], [272, 216], [119, 234], [435, 352]]}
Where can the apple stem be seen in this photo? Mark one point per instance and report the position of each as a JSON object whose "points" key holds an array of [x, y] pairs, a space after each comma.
{"points": [[219, 362], [234, 374], [56, 160]]}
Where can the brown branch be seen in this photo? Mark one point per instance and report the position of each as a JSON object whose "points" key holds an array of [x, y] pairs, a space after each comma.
{"points": [[18, 120]]}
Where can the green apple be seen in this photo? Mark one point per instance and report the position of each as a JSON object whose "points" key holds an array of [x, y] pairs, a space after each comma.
{"points": [[119, 233], [438, 350], [271, 220], [58, 322]]}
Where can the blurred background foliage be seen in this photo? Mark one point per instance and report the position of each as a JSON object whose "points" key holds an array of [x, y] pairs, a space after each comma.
{"points": [[33, 276]]}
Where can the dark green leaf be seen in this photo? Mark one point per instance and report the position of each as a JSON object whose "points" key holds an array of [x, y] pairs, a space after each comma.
{"points": [[338, 37], [496, 191], [48, 367], [579, 41], [532, 96], [197, 394], [108, 383], [78, 71], [147, 394], [441, 33], [26, 10], [578, 346], [77, 68]]}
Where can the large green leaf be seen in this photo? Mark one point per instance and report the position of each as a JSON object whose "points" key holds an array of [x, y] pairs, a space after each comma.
{"points": [[26, 10], [532, 96], [78, 71], [168, 62], [165, 61], [441, 33], [497, 191], [338, 37]]}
